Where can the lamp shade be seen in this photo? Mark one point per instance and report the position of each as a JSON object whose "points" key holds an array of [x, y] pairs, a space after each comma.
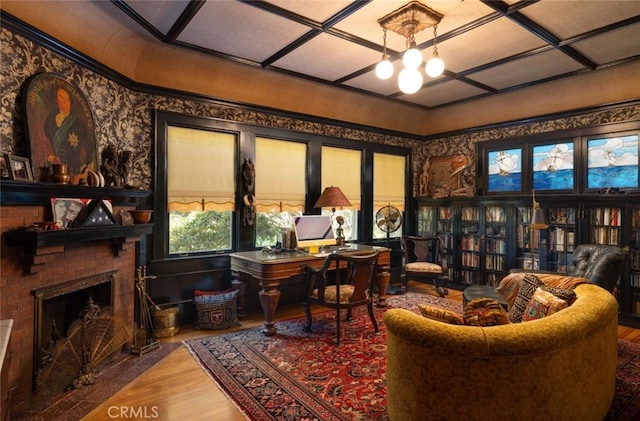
{"points": [[538, 220], [332, 197]]}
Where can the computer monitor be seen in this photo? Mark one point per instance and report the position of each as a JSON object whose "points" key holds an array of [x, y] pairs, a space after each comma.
{"points": [[313, 231]]}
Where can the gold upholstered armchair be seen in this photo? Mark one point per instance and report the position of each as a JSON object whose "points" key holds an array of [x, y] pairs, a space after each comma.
{"points": [[424, 259], [344, 281]]}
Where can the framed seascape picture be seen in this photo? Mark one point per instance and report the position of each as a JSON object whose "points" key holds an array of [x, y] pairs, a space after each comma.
{"points": [[60, 127], [19, 168], [504, 170], [553, 166], [612, 162]]}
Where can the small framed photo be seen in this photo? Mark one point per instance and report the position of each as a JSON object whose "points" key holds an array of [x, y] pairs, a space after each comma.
{"points": [[4, 168], [19, 168]]}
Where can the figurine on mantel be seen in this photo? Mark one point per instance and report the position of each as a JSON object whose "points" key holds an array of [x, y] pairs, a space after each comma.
{"points": [[115, 166]]}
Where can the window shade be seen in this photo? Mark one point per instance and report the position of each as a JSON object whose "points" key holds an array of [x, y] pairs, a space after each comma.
{"points": [[388, 180], [343, 168], [280, 175], [200, 170]]}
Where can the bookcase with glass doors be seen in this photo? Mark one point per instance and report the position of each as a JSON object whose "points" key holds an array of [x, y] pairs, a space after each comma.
{"points": [[488, 236]]}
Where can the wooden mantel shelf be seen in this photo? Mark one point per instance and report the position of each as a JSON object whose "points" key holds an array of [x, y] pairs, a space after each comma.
{"points": [[35, 246], [20, 193], [30, 239]]}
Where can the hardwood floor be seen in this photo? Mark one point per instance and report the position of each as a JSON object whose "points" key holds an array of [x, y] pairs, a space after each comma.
{"points": [[177, 388]]}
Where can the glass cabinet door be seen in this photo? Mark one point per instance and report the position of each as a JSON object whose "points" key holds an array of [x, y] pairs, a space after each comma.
{"points": [[604, 225], [470, 245], [495, 244], [426, 220], [444, 228], [523, 244], [634, 257], [561, 238]]}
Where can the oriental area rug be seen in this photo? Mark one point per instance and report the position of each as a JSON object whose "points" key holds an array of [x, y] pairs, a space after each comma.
{"points": [[296, 375]]}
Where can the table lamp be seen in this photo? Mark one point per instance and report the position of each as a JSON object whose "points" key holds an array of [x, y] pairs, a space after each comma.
{"points": [[333, 197]]}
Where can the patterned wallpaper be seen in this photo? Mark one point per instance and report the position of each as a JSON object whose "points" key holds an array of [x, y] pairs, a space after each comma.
{"points": [[123, 116]]}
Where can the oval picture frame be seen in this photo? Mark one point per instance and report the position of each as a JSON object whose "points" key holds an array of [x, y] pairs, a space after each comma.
{"points": [[60, 126]]}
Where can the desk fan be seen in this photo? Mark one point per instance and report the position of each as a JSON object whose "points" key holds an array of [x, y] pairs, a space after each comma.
{"points": [[388, 219]]}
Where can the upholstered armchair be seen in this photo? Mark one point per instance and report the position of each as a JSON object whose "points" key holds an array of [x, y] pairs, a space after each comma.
{"points": [[600, 264], [424, 260]]}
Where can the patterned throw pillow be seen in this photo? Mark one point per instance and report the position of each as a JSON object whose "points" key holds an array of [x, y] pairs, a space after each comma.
{"points": [[440, 314], [526, 288], [484, 312], [542, 304], [508, 287], [219, 311]]}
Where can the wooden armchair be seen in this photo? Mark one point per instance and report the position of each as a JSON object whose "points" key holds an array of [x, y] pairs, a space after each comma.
{"points": [[424, 259], [354, 279]]}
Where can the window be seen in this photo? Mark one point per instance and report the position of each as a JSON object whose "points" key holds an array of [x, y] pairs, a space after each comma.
{"points": [[505, 170], [200, 196], [388, 190], [612, 162], [553, 166], [343, 168], [280, 187]]}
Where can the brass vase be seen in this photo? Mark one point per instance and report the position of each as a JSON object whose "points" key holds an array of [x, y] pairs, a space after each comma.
{"points": [[60, 173]]}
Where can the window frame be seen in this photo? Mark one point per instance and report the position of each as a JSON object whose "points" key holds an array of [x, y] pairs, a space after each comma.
{"points": [[243, 238]]}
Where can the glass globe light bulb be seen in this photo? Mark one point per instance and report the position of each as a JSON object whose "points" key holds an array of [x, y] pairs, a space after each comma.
{"points": [[412, 58], [384, 69], [409, 80], [435, 66]]}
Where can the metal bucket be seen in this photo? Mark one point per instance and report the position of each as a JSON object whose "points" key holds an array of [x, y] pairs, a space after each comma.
{"points": [[165, 322]]}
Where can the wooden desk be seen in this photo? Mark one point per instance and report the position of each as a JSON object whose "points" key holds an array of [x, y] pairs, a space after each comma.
{"points": [[273, 269]]}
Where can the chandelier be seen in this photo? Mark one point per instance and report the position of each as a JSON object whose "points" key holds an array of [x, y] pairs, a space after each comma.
{"points": [[407, 21]]}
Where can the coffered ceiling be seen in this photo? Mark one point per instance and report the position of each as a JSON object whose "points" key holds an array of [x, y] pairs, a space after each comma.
{"points": [[489, 47]]}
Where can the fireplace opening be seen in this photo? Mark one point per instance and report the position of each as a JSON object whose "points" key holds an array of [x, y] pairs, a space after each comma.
{"points": [[75, 334]]}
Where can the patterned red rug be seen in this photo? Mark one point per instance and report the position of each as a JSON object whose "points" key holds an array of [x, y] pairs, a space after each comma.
{"points": [[297, 375]]}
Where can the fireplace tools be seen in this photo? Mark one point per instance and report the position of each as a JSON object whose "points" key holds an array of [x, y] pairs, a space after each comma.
{"points": [[144, 339]]}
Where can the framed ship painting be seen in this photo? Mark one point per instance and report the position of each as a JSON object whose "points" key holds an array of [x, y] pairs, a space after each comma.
{"points": [[60, 127]]}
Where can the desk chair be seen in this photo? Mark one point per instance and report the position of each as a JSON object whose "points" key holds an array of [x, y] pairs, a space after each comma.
{"points": [[424, 259], [354, 279]]}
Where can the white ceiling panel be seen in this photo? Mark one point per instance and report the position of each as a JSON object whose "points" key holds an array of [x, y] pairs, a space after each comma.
{"points": [[339, 58], [569, 18], [442, 93], [526, 70], [611, 46], [501, 38], [160, 14], [240, 30]]}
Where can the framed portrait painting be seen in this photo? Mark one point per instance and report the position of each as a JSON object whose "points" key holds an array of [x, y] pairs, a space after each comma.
{"points": [[60, 127]]}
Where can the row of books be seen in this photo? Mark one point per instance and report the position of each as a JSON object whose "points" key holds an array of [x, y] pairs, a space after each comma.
{"points": [[561, 239], [470, 276], [561, 216], [496, 214], [496, 246], [605, 235], [470, 243], [469, 214], [634, 280], [634, 256], [445, 213], [606, 216], [494, 262], [470, 259]]}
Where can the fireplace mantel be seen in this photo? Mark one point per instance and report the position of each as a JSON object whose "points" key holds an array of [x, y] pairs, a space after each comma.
{"points": [[19, 193], [35, 245]]}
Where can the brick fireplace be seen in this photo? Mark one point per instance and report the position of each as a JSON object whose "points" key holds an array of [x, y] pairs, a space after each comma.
{"points": [[27, 270]]}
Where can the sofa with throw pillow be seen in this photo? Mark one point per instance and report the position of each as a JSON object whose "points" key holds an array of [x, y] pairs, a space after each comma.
{"points": [[558, 366]]}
